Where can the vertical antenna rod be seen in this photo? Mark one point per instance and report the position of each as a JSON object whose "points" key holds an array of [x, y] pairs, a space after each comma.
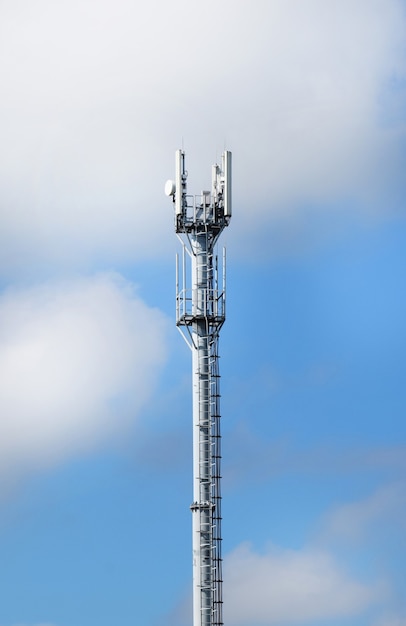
{"points": [[200, 314]]}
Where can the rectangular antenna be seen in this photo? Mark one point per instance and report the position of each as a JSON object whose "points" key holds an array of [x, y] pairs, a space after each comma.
{"points": [[226, 166], [179, 181], [215, 171]]}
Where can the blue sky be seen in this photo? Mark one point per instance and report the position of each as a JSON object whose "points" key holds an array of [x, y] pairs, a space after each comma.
{"points": [[95, 391]]}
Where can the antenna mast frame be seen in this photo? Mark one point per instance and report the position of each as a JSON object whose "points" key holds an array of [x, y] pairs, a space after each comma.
{"points": [[200, 314]]}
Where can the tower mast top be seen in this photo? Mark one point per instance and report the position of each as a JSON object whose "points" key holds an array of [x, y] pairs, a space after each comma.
{"points": [[211, 209]]}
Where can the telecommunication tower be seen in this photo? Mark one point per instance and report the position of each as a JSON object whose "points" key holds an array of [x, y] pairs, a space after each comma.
{"points": [[200, 314]]}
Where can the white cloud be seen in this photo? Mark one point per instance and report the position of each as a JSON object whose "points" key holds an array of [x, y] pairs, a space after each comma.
{"points": [[370, 518], [288, 586], [78, 361], [97, 95]]}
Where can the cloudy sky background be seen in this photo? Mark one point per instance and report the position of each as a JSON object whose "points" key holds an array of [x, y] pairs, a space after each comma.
{"points": [[95, 389]]}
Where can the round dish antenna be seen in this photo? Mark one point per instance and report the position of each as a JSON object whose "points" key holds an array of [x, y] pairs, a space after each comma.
{"points": [[170, 188]]}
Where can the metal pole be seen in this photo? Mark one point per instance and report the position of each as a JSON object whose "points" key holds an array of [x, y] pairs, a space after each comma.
{"points": [[202, 505]]}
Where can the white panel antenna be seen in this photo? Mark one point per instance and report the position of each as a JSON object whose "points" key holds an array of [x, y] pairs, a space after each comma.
{"points": [[180, 183], [215, 177], [226, 166]]}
